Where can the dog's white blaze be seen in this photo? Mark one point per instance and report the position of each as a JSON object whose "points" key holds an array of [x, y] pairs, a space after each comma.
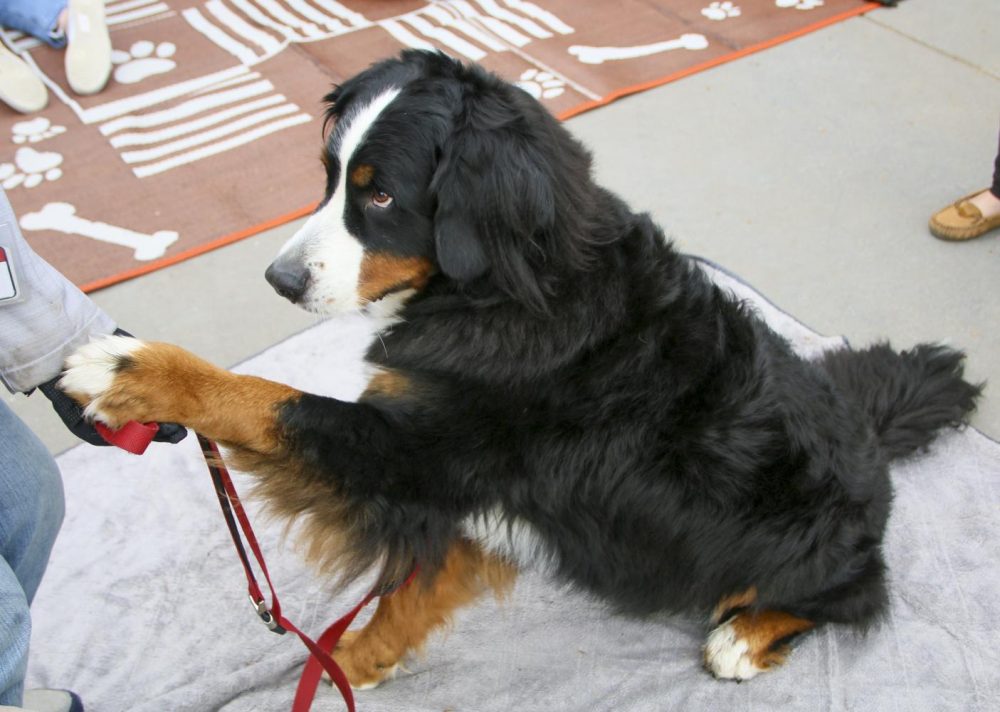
{"points": [[90, 370], [512, 539], [323, 243], [726, 655]]}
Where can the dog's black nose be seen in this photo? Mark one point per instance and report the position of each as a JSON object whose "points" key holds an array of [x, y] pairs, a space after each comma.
{"points": [[289, 283]]}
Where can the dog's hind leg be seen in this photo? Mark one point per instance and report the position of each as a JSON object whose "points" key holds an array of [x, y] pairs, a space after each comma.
{"points": [[404, 619], [750, 642], [752, 636]]}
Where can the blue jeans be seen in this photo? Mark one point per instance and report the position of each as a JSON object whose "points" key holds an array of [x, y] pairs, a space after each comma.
{"points": [[31, 511], [37, 18]]}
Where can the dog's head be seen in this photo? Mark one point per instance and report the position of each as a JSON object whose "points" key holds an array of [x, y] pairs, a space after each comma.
{"points": [[435, 170]]}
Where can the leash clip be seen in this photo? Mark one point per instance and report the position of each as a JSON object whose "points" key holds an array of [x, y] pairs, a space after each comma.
{"points": [[265, 615]]}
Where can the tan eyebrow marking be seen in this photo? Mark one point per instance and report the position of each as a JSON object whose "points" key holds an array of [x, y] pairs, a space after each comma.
{"points": [[362, 175]]}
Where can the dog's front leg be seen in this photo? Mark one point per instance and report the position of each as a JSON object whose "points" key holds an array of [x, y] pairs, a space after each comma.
{"points": [[405, 618], [119, 379]]}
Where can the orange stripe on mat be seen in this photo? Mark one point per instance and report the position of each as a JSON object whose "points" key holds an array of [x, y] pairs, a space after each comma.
{"points": [[588, 106]]}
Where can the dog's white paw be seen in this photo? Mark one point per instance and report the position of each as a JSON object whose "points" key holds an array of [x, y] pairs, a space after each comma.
{"points": [[91, 370], [387, 674], [727, 656], [360, 663], [370, 682]]}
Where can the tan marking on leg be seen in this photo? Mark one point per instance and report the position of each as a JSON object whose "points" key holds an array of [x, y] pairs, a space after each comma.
{"points": [[164, 383], [732, 602], [763, 630], [405, 618], [383, 273], [362, 175]]}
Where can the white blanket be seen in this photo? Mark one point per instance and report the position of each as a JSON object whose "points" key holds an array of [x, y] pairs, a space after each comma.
{"points": [[144, 606]]}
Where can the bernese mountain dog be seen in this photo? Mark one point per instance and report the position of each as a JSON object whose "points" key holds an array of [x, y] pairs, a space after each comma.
{"points": [[555, 387]]}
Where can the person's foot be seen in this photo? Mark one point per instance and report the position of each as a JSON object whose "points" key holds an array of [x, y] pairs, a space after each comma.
{"points": [[20, 88], [968, 217], [988, 204], [48, 701], [88, 46]]}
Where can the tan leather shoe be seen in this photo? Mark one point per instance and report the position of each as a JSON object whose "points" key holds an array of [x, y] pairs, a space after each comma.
{"points": [[962, 220]]}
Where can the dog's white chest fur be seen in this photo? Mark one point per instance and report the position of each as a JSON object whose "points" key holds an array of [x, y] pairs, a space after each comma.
{"points": [[510, 538]]}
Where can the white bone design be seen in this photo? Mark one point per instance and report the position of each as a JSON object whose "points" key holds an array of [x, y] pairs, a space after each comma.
{"points": [[63, 218], [599, 55]]}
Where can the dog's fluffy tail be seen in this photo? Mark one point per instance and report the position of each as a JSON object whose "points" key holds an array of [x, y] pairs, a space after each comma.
{"points": [[909, 395]]}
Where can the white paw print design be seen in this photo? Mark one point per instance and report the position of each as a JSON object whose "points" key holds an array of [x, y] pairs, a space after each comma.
{"points": [[541, 85], [140, 63], [721, 11], [30, 168], [34, 130], [799, 4]]}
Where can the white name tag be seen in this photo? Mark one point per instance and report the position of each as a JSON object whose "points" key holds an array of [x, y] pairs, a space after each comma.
{"points": [[8, 278]]}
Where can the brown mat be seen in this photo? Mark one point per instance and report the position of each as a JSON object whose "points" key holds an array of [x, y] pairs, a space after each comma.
{"points": [[211, 126]]}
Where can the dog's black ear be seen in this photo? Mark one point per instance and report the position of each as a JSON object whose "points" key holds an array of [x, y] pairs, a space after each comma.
{"points": [[494, 193], [459, 244], [459, 247]]}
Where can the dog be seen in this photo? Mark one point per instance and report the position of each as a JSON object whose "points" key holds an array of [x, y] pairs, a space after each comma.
{"points": [[555, 388]]}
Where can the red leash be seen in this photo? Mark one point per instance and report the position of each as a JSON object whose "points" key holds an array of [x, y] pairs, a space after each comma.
{"points": [[135, 437], [321, 659]]}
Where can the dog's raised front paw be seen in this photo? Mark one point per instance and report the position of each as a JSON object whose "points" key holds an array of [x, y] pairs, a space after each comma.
{"points": [[91, 373], [118, 379]]}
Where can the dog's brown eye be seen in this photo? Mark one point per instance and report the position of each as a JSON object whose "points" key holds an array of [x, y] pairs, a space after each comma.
{"points": [[381, 200]]}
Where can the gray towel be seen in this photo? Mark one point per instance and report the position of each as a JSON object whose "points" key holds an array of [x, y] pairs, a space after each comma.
{"points": [[144, 607]]}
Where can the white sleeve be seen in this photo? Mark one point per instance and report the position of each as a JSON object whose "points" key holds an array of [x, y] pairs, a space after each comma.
{"points": [[46, 319]]}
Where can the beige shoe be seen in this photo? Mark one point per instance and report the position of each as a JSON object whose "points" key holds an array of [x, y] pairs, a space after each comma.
{"points": [[88, 49], [20, 88], [962, 220]]}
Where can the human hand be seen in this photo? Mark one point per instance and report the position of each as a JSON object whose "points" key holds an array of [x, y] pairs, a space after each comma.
{"points": [[71, 413]]}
